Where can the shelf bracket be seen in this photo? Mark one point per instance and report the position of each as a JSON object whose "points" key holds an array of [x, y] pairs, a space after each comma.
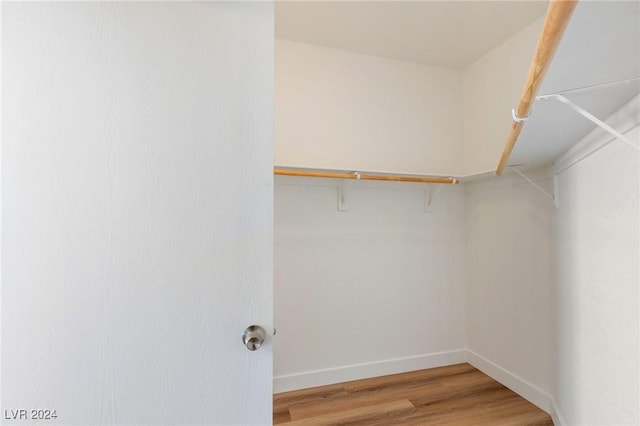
{"points": [[430, 195], [343, 195], [593, 119], [343, 192], [552, 197], [556, 199]]}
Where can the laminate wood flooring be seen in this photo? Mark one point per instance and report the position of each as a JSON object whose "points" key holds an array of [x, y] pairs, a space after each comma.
{"points": [[457, 395]]}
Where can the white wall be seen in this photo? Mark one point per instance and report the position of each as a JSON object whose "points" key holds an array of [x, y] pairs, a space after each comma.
{"points": [[137, 211], [510, 282], [344, 110], [569, 339], [598, 357], [566, 340], [491, 88], [372, 291]]}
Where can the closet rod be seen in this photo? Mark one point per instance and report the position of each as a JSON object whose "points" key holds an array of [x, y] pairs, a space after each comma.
{"points": [[360, 176], [555, 22]]}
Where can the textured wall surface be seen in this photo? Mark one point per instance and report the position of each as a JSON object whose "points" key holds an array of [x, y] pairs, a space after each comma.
{"points": [[510, 278], [137, 211], [338, 109], [598, 245], [382, 283]]}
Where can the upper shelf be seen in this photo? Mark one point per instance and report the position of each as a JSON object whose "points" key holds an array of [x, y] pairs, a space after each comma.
{"points": [[601, 45], [344, 110], [555, 23]]}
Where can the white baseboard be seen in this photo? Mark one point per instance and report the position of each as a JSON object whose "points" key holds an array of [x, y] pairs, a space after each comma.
{"points": [[517, 384], [329, 376], [555, 414]]}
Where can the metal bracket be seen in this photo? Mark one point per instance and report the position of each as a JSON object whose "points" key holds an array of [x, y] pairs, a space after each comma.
{"points": [[594, 120], [517, 119], [343, 192], [556, 199], [538, 187], [343, 195], [430, 196]]}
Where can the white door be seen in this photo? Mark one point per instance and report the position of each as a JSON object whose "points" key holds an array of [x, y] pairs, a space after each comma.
{"points": [[136, 212]]}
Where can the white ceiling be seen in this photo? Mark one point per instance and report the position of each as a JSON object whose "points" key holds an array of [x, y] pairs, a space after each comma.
{"points": [[449, 34]]}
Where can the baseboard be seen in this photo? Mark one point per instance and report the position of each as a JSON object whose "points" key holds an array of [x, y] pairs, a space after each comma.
{"points": [[329, 376], [555, 414], [513, 382]]}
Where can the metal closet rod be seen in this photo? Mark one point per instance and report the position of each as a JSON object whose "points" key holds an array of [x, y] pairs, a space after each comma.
{"points": [[555, 23], [363, 176]]}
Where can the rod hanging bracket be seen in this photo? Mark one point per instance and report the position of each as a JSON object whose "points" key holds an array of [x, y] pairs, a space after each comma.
{"points": [[343, 195], [556, 199], [517, 119], [343, 192], [430, 195]]}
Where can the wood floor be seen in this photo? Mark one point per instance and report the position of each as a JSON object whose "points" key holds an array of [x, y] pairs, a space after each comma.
{"points": [[455, 395]]}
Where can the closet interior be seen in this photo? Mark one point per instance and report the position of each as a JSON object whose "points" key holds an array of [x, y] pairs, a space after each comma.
{"points": [[436, 204]]}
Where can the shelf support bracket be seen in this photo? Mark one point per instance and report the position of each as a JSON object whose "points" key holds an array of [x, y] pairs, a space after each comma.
{"points": [[343, 192], [430, 196], [552, 197], [556, 199], [594, 120]]}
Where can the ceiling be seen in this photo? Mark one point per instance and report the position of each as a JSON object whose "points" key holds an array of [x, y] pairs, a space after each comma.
{"points": [[450, 34]]}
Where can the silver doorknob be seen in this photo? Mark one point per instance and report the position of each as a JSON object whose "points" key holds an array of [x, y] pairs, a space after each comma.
{"points": [[253, 337]]}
